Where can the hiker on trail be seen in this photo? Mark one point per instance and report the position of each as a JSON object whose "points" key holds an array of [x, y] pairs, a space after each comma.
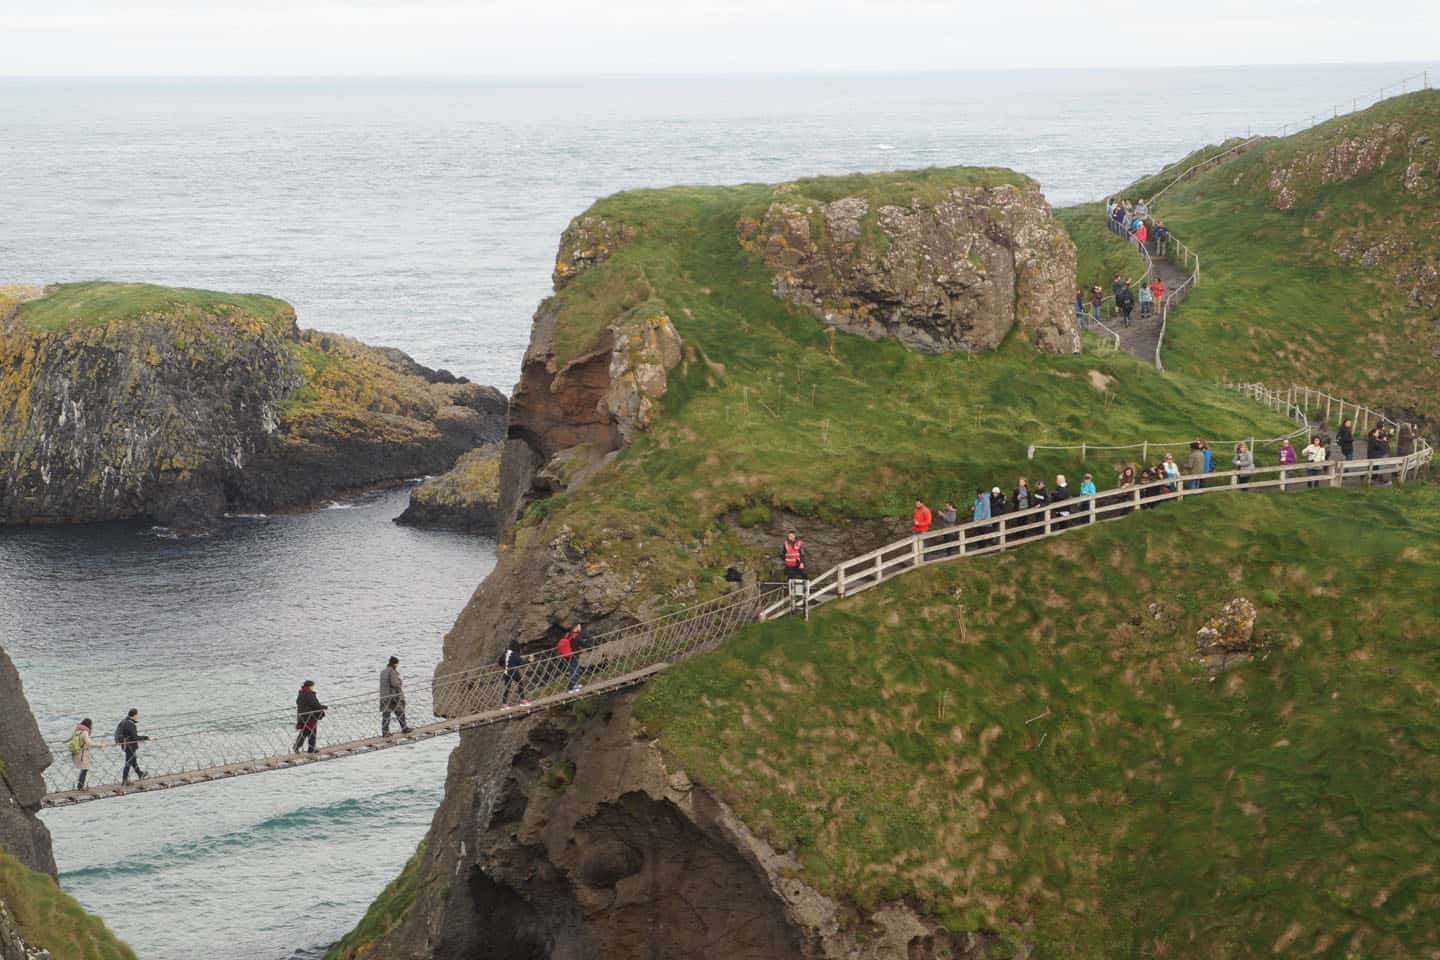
{"points": [[1162, 239], [1126, 303], [948, 516], [1141, 233], [1058, 495], [1096, 302], [1195, 465], [569, 648], [1405, 445], [80, 747], [1244, 462], [1315, 455], [392, 697], [1157, 291], [1287, 457], [512, 660], [920, 519], [998, 508], [127, 738], [792, 554], [1147, 302], [1021, 497], [1378, 443], [1148, 476], [1116, 286], [980, 510], [1039, 496], [1087, 489], [308, 712], [1080, 308], [1345, 437]]}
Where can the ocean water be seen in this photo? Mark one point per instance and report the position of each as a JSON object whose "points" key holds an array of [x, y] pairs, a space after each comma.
{"points": [[422, 214]]}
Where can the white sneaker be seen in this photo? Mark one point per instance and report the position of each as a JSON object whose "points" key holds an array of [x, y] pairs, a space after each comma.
{"points": [[524, 703]]}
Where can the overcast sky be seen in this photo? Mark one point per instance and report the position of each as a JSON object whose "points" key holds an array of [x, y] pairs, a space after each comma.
{"points": [[287, 37]]}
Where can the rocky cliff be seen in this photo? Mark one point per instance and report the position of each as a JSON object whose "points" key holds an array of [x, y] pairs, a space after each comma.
{"points": [[123, 400], [24, 758], [953, 269], [463, 498]]}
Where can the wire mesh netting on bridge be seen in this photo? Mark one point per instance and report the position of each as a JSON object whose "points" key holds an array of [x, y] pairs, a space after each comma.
{"points": [[180, 753]]}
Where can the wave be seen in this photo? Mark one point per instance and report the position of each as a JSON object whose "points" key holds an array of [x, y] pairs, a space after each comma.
{"points": [[247, 516], [337, 505], [314, 822]]}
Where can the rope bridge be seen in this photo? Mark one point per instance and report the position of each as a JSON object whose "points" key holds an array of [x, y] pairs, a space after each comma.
{"points": [[199, 751]]}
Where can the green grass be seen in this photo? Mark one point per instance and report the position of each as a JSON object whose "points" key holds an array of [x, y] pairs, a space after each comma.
{"points": [[769, 408], [1278, 303], [95, 303], [1021, 744], [49, 918], [383, 915]]}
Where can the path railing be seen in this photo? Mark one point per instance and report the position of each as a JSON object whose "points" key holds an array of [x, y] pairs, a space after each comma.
{"points": [[981, 537], [203, 749]]}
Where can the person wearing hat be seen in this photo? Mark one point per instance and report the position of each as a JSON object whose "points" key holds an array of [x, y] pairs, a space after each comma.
{"points": [[392, 698], [308, 711], [81, 744]]}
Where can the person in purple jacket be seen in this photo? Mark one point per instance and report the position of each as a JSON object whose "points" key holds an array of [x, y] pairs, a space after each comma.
{"points": [[1287, 457]]}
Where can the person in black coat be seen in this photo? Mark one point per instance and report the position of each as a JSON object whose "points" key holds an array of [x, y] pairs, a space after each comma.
{"points": [[1345, 437], [127, 738], [308, 711]]}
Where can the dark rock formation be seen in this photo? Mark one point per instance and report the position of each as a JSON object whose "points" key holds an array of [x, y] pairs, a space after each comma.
{"points": [[956, 273], [580, 841], [25, 757], [180, 415], [463, 498]]}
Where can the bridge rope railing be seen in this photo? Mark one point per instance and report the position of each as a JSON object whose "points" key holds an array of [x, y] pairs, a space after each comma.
{"points": [[194, 745]]}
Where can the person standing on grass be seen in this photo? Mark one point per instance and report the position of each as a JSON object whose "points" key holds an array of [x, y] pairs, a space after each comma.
{"points": [[1345, 437], [920, 519], [308, 713], [81, 744], [1315, 455], [1244, 462], [512, 661], [1147, 302], [1195, 465], [792, 554], [569, 648], [392, 697]]}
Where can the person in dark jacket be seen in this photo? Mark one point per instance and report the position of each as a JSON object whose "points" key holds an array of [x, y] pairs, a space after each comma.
{"points": [[512, 661], [1125, 300], [1058, 495], [127, 738], [998, 509], [1345, 437], [308, 711], [1039, 497], [392, 697]]}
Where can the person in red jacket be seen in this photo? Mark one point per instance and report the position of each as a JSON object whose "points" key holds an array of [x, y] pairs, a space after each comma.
{"points": [[569, 648], [920, 522]]}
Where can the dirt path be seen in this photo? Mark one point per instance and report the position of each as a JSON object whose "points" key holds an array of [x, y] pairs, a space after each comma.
{"points": [[1142, 336]]}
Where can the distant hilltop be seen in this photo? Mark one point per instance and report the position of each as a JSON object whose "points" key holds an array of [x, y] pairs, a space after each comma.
{"points": [[126, 400]]}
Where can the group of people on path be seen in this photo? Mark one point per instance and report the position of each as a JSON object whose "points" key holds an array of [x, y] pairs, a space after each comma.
{"points": [[1132, 219], [1151, 294], [127, 738]]}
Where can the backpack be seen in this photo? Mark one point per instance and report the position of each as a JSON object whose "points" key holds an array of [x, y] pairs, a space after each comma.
{"points": [[500, 660], [75, 745]]}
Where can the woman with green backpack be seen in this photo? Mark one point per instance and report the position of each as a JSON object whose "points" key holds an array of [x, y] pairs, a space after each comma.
{"points": [[80, 746]]}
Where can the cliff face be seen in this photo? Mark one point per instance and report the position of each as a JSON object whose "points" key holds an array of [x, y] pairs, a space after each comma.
{"points": [[187, 407], [956, 271], [575, 840], [25, 758], [463, 498]]}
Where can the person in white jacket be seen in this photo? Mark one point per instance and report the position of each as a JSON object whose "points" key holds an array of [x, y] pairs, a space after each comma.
{"points": [[81, 743], [1315, 454]]}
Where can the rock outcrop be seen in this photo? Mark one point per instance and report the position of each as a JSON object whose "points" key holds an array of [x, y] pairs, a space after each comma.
{"points": [[580, 841], [182, 411], [464, 498], [939, 274], [25, 757]]}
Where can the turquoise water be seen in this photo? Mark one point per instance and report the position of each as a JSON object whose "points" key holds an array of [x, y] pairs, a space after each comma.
{"points": [[424, 215]]}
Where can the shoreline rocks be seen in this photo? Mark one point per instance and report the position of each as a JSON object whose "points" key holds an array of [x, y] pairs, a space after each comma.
{"points": [[464, 498]]}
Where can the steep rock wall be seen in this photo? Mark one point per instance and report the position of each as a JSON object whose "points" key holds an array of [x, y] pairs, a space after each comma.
{"points": [[179, 416], [22, 786], [939, 275]]}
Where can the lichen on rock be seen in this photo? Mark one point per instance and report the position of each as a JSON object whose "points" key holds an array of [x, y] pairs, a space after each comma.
{"points": [[465, 497]]}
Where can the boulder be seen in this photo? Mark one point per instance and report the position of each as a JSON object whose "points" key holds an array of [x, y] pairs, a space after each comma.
{"points": [[463, 498]]}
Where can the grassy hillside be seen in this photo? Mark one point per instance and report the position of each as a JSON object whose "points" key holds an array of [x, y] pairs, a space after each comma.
{"points": [[770, 409], [49, 918], [1028, 743], [1319, 254], [78, 305]]}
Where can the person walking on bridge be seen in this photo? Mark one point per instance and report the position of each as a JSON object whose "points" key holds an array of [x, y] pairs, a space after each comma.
{"points": [[569, 649], [308, 712], [512, 661], [792, 554], [392, 697], [920, 519], [80, 747], [127, 738]]}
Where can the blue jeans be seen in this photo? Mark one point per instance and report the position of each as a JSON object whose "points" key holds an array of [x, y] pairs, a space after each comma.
{"points": [[574, 670], [1096, 308]]}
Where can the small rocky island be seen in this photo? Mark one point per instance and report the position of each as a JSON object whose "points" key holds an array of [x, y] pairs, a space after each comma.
{"points": [[130, 401]]}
